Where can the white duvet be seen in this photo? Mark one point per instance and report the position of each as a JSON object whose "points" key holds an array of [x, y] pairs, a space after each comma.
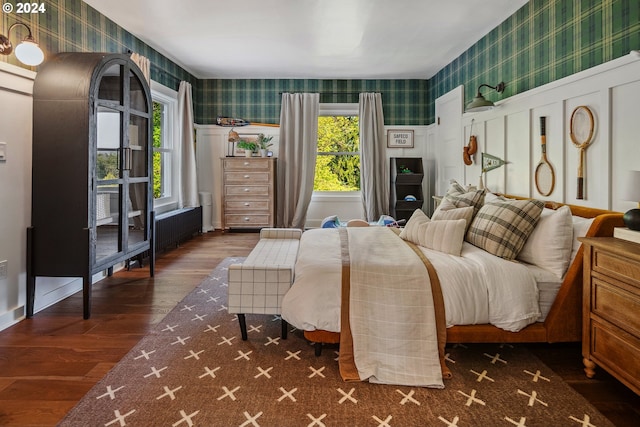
{"points": [[477, 287]]}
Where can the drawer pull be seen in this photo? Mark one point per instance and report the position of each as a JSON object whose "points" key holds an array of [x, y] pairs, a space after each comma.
{"points": [[247, 176], [247, 218], [247, 163], [246, 190], [247, 204]]}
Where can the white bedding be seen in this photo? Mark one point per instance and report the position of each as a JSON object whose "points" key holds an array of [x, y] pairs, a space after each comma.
{"points": [[477, 287]]}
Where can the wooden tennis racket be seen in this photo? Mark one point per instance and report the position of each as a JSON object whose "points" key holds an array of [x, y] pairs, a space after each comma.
{"points": [[545, 177], [581, 132]]}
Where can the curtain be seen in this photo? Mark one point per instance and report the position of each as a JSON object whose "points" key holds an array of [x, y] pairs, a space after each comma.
{"points": [[144, 64], [374, 174], [297, 157], [188, 196]]}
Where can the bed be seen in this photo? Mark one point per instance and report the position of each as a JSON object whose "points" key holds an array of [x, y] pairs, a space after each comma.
{"points": [[557, 296]]}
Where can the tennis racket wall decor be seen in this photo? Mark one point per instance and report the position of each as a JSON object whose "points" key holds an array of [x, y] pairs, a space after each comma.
{"points": [[581, 132], [545, 177]]}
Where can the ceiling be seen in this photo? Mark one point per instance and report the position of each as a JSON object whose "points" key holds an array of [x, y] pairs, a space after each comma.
{"points": [[309, 39]]}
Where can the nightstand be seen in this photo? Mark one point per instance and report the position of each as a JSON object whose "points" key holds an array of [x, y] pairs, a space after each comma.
{"points": [[611, 308]]}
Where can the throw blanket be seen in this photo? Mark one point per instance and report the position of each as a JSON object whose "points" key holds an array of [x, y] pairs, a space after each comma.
{"points": [[389, 332]]}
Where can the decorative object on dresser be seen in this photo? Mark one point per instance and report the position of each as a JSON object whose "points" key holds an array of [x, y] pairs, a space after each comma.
{"points": [[249, 192], [611, 312], [92, 175]]}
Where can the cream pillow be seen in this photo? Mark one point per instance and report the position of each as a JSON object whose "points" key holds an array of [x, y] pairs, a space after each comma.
{"points": [[443, 235], [550, 243], [581, 227], [465, 213], [410, 231]]}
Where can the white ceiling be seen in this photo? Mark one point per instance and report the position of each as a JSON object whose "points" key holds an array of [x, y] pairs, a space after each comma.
{"points": [[314, 39]]}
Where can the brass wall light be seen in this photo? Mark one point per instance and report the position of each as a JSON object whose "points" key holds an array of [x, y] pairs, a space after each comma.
{"points": [[479, 103], [28, 52]]}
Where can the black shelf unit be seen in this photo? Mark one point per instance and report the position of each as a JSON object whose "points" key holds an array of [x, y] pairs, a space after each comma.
{"points": [[406, 175], [92, 180]]}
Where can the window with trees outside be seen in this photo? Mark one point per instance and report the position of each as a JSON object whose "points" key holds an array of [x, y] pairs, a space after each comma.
{"points": [[338, 157], [164, 106]]}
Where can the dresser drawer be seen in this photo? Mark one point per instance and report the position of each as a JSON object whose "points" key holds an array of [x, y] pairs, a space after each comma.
{"points": [[248, 190], [252, 177], [246, 164], [249, 220], [617, 352], [246, 205], [616, 305], [615, 266]]}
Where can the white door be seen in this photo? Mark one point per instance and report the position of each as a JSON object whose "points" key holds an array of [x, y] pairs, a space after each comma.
{"points": [[449, 140]]}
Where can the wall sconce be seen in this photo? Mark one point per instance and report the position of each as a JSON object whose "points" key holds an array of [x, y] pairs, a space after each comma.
{"points": [[27, 51], [479, 103], [631, 192]]}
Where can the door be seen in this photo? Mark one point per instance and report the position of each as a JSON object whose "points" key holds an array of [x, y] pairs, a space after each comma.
{"points": [[449, 139]]}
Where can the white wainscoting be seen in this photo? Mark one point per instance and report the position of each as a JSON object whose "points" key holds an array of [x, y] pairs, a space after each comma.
{"points": [[511, 131]]}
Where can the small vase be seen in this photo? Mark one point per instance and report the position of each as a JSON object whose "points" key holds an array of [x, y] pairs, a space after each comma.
{"points": [[263, 152], [248, 153]]}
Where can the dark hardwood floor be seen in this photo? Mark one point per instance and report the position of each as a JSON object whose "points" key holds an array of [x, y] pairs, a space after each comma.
{"points": [[49, 362]]}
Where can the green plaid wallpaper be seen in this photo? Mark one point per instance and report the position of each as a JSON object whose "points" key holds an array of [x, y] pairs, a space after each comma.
{"points": [[73, 26], [543, 41], [404, 101]]}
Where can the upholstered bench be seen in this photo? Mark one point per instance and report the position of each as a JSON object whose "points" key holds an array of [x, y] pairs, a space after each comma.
{"points": [[258, 284]]}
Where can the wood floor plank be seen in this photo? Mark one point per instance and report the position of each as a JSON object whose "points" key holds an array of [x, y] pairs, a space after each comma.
{"points": [[49, 362]]}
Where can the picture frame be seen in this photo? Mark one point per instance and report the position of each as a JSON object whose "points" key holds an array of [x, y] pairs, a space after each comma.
{"points": [[400, 138]]}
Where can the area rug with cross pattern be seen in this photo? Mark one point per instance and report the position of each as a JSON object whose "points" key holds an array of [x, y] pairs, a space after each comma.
{"points": [[193, 369]]}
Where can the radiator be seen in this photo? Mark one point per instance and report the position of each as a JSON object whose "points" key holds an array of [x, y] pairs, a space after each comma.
{"points": [[173, 228]]}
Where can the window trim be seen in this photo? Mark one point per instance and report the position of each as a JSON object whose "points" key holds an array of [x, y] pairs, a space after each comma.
{"points": [[169, 98], [337, 109]]}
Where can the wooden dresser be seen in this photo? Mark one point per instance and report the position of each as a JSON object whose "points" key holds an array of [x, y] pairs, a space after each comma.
{"points": [[611, 308], [249, 192]]}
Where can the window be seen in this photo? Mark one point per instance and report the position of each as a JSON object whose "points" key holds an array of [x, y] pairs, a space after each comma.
{"points": [[338, 159], [164, 156]]}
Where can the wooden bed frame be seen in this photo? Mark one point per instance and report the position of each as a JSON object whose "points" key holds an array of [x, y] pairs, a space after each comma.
{"points": [[564, 321]]}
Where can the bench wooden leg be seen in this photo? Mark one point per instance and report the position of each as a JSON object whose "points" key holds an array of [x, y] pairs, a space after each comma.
{"points": [[285, 327], [243, 326], [318, 348]]}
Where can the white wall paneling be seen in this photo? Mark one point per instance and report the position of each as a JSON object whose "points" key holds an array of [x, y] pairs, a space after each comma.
{"points": [[625, 138], [517, 154], [511, 131]]}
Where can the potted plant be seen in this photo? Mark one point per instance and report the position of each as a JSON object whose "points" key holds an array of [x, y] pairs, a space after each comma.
{"points": [[264, 142], [248, 146]]}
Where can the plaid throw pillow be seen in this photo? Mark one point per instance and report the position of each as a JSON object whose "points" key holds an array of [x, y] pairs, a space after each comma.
{"points": [[460, 198], [502, 227]]}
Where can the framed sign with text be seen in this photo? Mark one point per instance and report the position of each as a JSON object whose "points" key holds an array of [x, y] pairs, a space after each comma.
{"points": [[399, 138]]}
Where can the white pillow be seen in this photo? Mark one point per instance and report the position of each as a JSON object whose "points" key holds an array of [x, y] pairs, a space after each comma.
{"points": [[443, 235], [580, 228], [549, 245], [410, 231], [465, 213]]}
